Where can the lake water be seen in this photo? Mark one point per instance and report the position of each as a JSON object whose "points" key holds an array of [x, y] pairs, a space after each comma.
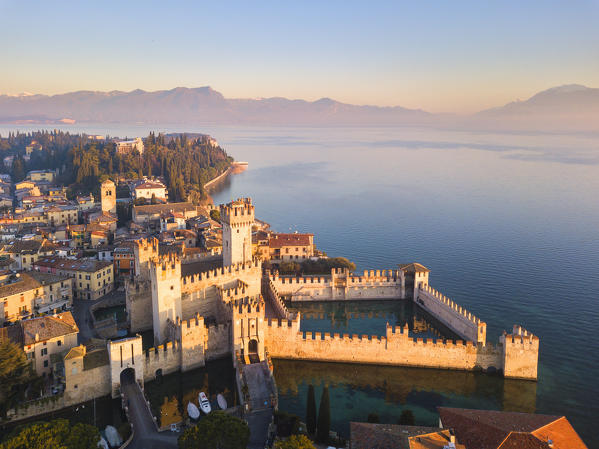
{"points": [[507, 223]]}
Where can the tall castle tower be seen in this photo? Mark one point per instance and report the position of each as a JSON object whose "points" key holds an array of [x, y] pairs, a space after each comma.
{"points": [[108, 196], [165, 273], [237, 218]]}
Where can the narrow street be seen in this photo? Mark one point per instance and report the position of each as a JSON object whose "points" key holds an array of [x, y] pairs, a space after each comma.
{"points": [[145, 434]]}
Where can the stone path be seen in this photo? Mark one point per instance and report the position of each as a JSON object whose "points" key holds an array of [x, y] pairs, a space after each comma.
{"points": [[145, 434]]}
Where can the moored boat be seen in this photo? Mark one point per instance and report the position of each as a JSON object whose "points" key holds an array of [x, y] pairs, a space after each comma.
{"points": [[222, 402], [193, 411], [204, 403]]}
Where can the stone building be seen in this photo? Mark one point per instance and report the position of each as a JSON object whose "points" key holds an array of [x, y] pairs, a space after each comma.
{"points": [[108, 197], [92, 278], [44, 338], [129, 146]]}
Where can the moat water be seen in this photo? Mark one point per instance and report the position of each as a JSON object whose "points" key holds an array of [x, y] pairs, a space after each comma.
{"points": [[508, 224]]}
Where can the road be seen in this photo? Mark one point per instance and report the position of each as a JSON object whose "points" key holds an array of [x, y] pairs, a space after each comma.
{"points": [[145, 434]]}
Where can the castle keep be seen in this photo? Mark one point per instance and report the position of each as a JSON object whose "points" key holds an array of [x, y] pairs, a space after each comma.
{"points": [[204, 308]]}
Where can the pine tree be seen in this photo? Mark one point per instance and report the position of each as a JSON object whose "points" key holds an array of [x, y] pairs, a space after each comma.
{"points": [[324, 418], [311, 411]]}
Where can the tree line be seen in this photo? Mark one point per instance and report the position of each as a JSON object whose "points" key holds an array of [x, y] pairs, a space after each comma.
{"points": [[185, 164]]}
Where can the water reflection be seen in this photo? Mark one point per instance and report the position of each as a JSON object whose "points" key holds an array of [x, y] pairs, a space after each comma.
{"points": [[170, 394], [357, 390], [370, 318]]}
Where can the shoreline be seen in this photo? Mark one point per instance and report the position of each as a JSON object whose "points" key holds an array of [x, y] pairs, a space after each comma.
{"points": [[235, 167]]}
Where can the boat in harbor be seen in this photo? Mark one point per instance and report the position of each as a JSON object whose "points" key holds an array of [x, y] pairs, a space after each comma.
{"points": [[193, 411], [222, 402], [204, 402]]}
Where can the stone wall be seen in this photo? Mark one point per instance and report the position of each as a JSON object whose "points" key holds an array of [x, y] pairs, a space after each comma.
{"points": [[250, 273], [342, 285], [84, 385], [521, 354], [166, 357], [219, 341], [458, 319], [193, 342], [139, 305], [283, 340]]}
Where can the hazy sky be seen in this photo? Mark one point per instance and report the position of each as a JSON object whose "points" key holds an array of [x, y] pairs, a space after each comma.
{"points": [[436, 55]]}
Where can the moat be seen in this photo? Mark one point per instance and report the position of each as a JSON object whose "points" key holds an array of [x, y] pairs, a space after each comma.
{"points": [[357, 390]]}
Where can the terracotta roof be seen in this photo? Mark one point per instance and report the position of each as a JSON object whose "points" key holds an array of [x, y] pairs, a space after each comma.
{"points": [[46, 278], [25, 247], [61, 263], [12, 333], [150, 185], [490, 429], [47, 327], [393, 436], [281, 240], [24, 283], [413, 268], [160, 208]]}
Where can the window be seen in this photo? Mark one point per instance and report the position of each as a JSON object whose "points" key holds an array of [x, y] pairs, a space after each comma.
{"points": [[45, 364], [59, 343], [44, 351], [87, 277]]}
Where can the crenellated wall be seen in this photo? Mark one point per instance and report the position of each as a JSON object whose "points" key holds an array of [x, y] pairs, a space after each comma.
{"points": [[520, 354], [452, 315], [342, 285], [139, 304], [397, 348], [249, 272], [166, 357]]}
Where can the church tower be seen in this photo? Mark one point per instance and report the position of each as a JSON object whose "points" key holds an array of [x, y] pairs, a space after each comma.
{"points": [[237, 218], [108, 196]]}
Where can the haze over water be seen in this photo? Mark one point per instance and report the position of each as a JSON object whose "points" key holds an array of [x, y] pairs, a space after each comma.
{"points": [[507, 223]]}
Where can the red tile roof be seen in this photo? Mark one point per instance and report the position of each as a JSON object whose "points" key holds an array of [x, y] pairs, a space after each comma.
{"points": [[490, 429], [281, 240]]}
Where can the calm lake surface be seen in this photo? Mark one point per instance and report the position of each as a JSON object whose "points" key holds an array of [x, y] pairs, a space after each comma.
{"points": [[507, 223]]}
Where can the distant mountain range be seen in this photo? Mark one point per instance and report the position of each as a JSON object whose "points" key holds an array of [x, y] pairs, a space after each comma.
{"points": [[570, 107]]}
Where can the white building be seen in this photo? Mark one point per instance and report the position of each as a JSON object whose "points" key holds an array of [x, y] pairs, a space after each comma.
{"points": [[147, 189], [128, 146]]}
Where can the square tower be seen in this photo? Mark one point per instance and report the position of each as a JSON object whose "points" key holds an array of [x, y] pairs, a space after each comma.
{"points": [[108, 196], [237, 218], [165, 273]]}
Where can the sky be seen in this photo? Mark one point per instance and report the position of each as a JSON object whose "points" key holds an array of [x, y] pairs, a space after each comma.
{"points": [[440, 56]]}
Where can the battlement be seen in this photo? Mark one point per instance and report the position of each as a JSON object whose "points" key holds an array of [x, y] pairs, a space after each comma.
{"points": [[520, 338], [247, 306], [276, 301], [223, 272], [232, 294], [290, 280], [373, 276], [292, 325], [238, 213], [449, 303]]}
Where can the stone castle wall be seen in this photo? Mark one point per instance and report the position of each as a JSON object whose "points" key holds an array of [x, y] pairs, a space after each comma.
{"points": [[458, 319], [342, 285], [521, 354], [397, 348], [139, 305]]}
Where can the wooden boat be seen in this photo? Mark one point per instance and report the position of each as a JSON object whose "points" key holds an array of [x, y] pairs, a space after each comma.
{"points": [[222, 402], [193, 411], [204, 403]]}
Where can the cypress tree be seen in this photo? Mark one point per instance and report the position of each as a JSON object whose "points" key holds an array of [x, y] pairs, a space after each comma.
{"points": [[311, 411], [324, 418]]}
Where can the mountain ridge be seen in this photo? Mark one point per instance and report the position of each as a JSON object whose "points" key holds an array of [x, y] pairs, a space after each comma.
{"points": [[569, 106]]}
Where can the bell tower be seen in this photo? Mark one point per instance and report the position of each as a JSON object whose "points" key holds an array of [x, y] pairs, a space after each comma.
{"points": [[108, 196], [237, 218]]}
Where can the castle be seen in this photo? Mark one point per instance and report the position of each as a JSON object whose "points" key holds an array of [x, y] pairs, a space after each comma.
{"points": [[205, 308]]}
